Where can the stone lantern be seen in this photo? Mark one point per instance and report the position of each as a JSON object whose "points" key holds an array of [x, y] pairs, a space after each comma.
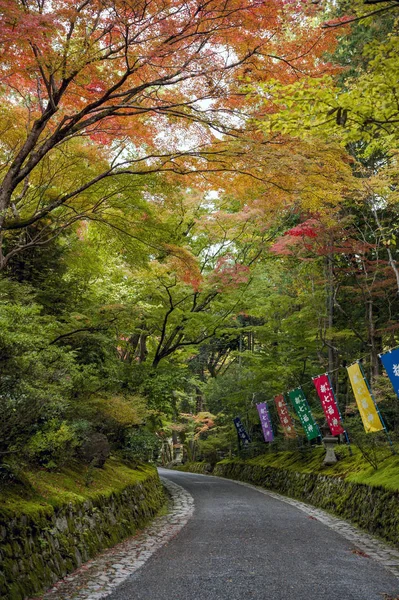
{"points": [[178, 455], [329, 442]]}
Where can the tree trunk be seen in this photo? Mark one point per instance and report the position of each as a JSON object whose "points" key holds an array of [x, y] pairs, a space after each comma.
{"points": [[143, 347], [391, 260], [199, 407], [374, 364], [330, 314], [133, 342]]}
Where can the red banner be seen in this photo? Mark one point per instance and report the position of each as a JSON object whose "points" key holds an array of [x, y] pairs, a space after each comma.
{"points": [[323, 386], [285, 417]]}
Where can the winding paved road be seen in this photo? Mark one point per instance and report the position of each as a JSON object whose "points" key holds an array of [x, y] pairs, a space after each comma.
{"points": [[242, 544]]}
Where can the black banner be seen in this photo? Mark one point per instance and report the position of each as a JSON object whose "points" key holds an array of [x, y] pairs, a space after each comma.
{"points": [[242, 434]]}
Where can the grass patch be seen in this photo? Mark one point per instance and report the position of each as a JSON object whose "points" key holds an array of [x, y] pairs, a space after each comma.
{"points": [[353, 467], [387, 475], [75, 483]]}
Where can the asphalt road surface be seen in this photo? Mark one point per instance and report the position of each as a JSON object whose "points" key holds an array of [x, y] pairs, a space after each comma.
{"points": [[242, 544]]}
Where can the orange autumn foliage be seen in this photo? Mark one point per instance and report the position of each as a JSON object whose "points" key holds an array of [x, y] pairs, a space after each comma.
{"points": [[136, 71]]}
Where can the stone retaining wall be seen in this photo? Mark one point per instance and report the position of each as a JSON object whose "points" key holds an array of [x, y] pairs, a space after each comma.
{"points": [[195, 467], [374, 509], [38, 549]]}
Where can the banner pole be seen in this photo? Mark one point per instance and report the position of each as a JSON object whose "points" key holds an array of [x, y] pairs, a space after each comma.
{"points": [[378, 410], [339, 412], [238, 441]]}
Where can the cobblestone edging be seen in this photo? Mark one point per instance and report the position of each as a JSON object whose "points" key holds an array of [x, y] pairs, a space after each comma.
{"points": [[367, 544], [373, 509], [47, 542], [97, 578]]}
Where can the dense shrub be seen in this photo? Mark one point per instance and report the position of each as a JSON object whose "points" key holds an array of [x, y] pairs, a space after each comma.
{"points": [[54, 445], [141, 445]]}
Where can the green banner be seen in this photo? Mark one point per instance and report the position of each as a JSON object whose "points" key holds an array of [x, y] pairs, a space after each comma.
{"points": [[302, 409]]}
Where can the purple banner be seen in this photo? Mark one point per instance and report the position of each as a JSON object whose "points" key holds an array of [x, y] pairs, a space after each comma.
{"points": [[265, 421]]}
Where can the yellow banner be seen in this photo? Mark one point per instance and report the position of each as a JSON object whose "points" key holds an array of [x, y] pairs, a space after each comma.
{"points": [[365, 403]]}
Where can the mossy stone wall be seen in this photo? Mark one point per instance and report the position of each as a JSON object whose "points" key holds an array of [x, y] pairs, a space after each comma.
{"points": [[36, 550], [195, 467], [374, 509]]}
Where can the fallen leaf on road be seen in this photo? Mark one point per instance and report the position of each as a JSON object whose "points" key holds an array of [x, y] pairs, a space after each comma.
{"points": [[361, 553]]}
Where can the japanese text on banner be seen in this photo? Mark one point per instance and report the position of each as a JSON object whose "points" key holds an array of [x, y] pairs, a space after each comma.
{"points": [[302, 409], [242, 434], [390, 360], [285, 417], [365, 403], [330, 408], [265, 421]]}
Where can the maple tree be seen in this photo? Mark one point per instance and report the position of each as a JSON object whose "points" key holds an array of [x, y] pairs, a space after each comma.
{"points": [[356, 113], [344, 110], [97, 90], [187, 293], [354, 267], [272, 258]]}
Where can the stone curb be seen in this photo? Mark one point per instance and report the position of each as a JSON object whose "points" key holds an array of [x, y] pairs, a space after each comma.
{"points": [[369, 546], [97, 578]]}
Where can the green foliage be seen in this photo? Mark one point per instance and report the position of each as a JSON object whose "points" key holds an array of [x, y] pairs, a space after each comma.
{"points": [[143, 306], [165, 385], [217, 444], [52, 363], [38, 380], [141, 446], [319, 108], [53, 446]]}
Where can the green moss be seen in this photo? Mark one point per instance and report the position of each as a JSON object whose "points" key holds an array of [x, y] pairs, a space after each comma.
{"points": [[350, 467], [50, 528], [387, 474], [54, 489], [195, 467]]}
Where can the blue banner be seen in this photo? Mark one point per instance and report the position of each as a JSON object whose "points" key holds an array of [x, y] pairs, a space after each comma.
{"points": [[390, 360], [242, 434]]}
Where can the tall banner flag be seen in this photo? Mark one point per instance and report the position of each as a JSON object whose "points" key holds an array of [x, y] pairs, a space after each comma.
{"points": [[285, 417], [242, 434], [390, 360], [365, 403], [265, 421], [302, 409], [325, 392]]}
